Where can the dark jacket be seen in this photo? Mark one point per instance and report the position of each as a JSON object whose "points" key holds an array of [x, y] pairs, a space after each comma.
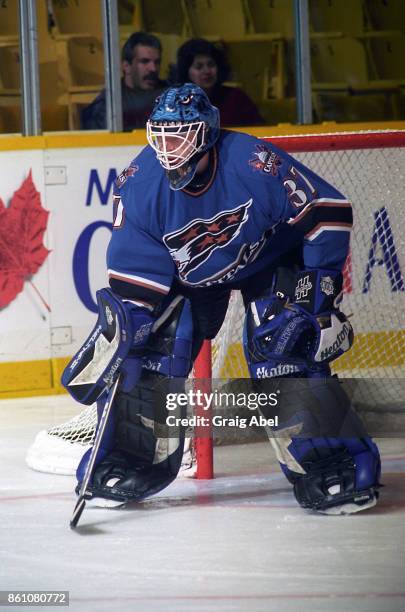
{"points": [[235, 107], [137, 105]]}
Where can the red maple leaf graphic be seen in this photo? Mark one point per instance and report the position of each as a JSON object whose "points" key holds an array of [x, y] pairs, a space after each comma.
{"points": [[22, 227]]}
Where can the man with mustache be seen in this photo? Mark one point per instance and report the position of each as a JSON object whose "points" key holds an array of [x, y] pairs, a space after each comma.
{"points": [[140, 85]]}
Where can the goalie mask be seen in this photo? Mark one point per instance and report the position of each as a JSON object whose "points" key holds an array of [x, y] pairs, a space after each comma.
{"points": [[182, 127]]}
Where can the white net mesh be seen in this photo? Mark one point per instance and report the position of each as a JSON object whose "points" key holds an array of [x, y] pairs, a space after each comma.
{"points": [[59, 449], [373, 179], [79, 429]]}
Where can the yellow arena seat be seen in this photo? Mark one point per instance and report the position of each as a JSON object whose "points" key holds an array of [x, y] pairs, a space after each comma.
{"points": [[259, 67], [341, 64], [217, 18], [10, 92], [335, 17], [81, 64], [54, 115], [386, 14], [78, 35], [164, 16], [9, 24], [343, 107], [272, 17], [77, 17], [279, 111], [388, 55], [9, 69], [10, 119]]}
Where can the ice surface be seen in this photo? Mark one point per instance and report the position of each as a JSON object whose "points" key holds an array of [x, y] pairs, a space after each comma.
{"points": [[237, 543]]}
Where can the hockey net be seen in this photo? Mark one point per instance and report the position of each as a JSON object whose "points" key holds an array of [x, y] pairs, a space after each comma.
{"points": [[369, 169]]}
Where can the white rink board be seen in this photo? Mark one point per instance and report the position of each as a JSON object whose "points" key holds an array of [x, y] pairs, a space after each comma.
{"points": [[28, 331], [25, 324]]}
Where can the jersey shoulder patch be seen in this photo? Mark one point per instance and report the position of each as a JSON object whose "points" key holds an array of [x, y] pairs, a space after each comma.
{"points": [[126, 173], [140, 169], [252, 157]]}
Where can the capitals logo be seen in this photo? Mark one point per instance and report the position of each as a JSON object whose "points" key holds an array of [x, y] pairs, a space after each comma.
{"points": [[193, 244], [265, 160], [125, 174]]}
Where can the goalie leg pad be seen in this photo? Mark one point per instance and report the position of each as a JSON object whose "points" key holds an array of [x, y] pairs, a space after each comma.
{"points": [[326, 453], [331, 473], [145, 454], [340, 478]]}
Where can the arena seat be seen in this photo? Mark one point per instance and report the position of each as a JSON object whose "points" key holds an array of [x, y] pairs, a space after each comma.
{"points": [[339, 64], [78, 36], [9, 24], [334, 18], [10, 89], [259, 67], [342, 107], [9, 69], [9, 66], [279, 111], [73, 18], [276, 17], [217, 18], [164, 16], [10, 119], [342, 65], [386, 14], [53, 102], [388, 55]]}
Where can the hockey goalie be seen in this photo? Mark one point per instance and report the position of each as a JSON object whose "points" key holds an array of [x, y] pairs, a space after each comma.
{"points": [[201, 212]]}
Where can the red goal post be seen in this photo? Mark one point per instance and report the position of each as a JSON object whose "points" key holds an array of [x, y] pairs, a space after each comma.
{"points": [[368, 167]]}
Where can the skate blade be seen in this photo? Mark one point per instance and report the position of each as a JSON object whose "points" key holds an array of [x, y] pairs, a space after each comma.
{"points": [[102, 502], [348, 508]]}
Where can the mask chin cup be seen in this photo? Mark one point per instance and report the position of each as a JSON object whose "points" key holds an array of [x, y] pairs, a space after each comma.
{"points": [[182, 176]]}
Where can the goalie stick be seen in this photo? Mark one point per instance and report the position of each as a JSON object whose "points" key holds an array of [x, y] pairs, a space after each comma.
{"points": [[81, 501]]}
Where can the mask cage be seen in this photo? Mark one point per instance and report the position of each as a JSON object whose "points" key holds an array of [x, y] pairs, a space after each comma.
{"points": [[185, 140]]}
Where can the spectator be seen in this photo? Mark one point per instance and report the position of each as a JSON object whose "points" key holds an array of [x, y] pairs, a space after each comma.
{"points": [[140, 85], [204, 64]]}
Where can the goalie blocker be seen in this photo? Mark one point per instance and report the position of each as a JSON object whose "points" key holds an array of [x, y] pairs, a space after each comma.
{"points": [[296, 329], [121, 327]]}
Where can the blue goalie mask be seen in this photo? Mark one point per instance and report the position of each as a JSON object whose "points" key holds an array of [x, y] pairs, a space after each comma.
{"points": [[182, 127]]}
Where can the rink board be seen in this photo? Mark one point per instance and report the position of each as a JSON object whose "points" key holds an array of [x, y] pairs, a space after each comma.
{"points": [[74, 176]]}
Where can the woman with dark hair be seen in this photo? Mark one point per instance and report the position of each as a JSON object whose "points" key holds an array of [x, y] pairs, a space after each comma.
{"points": [[204, 64]]}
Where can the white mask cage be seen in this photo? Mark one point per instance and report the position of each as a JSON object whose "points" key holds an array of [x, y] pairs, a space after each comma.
{"points": [[175, 144]]}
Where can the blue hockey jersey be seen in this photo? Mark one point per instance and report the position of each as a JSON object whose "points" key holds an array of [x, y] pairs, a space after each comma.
{"points": [[258, 204]]}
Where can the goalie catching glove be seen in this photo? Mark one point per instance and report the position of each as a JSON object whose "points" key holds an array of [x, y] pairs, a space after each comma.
{"points": [[310, 328]]}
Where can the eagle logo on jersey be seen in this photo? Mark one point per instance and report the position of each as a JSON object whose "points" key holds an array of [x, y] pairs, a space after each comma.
{"points": [[193, 244], [266, 160]]}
